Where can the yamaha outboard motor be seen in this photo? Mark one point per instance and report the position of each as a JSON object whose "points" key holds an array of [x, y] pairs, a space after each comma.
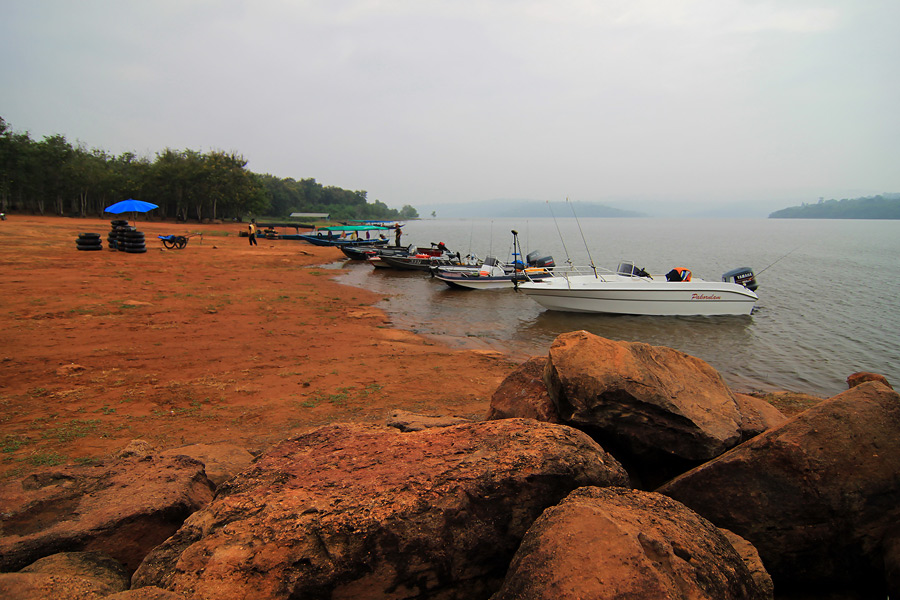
{"points": [[743, 276], [539, 259]]}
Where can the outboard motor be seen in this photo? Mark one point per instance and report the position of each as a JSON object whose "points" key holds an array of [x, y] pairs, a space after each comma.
{"points": [[539, 259], [743, 276]]}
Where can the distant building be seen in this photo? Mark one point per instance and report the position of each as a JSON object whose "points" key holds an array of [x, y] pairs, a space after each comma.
{"points": [[310, 215]]}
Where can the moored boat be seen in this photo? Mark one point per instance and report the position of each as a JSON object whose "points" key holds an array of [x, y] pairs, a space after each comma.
{"points": [[632, 291], [345, 235], [423, 259], [493, 274]]}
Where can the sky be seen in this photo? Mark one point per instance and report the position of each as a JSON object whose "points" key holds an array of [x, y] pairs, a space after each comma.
{"points": [[665, 105]]}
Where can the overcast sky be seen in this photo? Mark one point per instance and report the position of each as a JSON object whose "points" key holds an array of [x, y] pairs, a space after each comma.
{"points": [[424, 102]]}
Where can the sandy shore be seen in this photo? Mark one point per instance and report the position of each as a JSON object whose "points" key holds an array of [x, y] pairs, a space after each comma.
{"points": [[218, 342]]}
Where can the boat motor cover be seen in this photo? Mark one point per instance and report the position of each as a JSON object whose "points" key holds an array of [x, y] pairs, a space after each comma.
{"points": [[743, 276], [538, 259]]}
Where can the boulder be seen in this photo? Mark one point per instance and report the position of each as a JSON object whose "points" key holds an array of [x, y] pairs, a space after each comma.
{"points": [[64, 576], [814, 496], [353, 510], [138, 449], [750, 556], [857, 378], [523, 394], [145, 593], [122, 508], [757, 415], [660, 411], [405, 420], [891, 544], [621, 543], [221, 461]]}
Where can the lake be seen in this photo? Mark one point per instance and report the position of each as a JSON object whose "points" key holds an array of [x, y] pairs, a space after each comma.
{"points": [[828, 293]]}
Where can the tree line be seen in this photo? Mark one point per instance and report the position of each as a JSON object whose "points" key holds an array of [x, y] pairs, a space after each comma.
{"points": [[885, 206], [51, 176]]}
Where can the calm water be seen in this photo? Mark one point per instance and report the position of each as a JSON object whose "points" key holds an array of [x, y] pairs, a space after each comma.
{"points": [[828, 305]]}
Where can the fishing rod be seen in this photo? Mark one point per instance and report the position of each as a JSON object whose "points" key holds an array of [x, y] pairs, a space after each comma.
{"points": [[583, 239], [561, 238], [777, 260]]}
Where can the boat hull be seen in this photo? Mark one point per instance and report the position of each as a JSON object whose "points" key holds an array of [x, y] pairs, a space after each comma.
{"points": [[415, 263], [321, 240], [475, 281], [638, 296]]}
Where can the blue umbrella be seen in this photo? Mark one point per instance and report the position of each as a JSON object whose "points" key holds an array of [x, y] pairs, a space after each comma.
{"points": [[130, 205]]}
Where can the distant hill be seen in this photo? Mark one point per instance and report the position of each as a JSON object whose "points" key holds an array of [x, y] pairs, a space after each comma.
{"points": [[525, 209], [885, 206]]}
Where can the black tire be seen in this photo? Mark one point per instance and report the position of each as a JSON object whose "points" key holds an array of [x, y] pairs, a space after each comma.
{"points": [[135, 250], [89, 248], [182, 242], [170, 244], [88, 236], [127, 247]]}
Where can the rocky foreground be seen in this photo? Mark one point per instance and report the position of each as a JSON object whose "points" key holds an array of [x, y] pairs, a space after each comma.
{"points": [[603, 470]]}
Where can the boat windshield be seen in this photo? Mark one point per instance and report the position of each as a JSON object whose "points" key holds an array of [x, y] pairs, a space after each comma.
{"points": [[626, 268]]}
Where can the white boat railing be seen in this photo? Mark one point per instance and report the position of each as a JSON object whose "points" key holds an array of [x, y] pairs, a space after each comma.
{"points": [[568, 272]]}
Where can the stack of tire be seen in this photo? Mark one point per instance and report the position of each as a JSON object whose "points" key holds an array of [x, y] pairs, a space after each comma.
{"points": [[89, 242], [129, 239], [112, 239]]}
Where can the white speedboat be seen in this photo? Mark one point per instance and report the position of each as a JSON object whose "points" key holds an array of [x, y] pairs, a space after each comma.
{"points": [[632, 291]]}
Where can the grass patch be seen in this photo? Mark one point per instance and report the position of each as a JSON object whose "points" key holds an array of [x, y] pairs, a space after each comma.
{"points": [[74, 429], [46, 459], [12, 442]]}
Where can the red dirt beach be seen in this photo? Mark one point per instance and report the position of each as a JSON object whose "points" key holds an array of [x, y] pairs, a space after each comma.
{"points": [[217, 342]]}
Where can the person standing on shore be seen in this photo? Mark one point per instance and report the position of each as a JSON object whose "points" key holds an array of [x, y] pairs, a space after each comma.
{"points": [[252, 232]]}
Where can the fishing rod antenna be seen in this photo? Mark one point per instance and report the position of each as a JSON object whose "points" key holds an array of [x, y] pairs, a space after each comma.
{"points": [[778, 259], [561, 238], [590, 258]]}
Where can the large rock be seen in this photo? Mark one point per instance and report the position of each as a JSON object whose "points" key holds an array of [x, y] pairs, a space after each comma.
{"points": [[814, 496], [351, 511], [891, 545], [653, 407], [856, 379], [619, 543], [221, 461], [66, 576], [146, 593], [750, 555], [405, 420], [523, 394], [121, 508], [757, 415]]}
